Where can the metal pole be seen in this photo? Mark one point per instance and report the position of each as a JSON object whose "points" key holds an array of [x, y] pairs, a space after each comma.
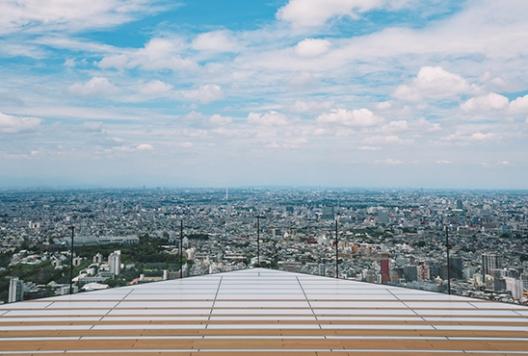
{"points": [[71, 260], [448, 267], [336, 251], [258, 240], [181, 248]]}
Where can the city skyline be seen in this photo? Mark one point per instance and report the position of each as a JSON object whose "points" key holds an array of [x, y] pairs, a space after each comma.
{"points": [[341, 93]]}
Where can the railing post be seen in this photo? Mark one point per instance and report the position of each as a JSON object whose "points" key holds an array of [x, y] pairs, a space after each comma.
{"points": [[181, 248], [258, 240], [448, 266], [71, 260], [336, 251]]}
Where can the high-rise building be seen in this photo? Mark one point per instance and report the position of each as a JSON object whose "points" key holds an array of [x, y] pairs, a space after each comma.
{"points": [[410, 273], [328, 213], [490, 262], [322, 269], [385, 267], [114, 261], [456, 267], [383, 217], [98, 258], [437, 269], [16, 290], [422, 272], [524, 279]]}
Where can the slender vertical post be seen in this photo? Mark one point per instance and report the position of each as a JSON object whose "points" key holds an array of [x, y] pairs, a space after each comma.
{"points": [[448, 267], [336, 250], [181, 248], [258, 240], [71, 260]]}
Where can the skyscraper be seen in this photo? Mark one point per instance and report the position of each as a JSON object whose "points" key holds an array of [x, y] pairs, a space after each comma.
{"points": [[16, 290], [489, 262], [456, 267], [114, 261], [328, 213], [385, 268]]}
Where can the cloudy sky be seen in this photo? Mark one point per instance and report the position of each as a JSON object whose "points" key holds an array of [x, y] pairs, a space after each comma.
{"points": [[357, 93]]}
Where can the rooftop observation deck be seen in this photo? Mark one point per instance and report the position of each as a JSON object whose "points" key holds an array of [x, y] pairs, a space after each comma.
{"points": [[262, 312]]}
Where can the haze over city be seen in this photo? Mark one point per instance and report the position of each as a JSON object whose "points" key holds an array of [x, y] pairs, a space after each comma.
{"points": [[358, 93]]}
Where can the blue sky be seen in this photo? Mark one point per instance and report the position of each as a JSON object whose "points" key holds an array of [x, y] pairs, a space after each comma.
{"points": [[360, 93]]}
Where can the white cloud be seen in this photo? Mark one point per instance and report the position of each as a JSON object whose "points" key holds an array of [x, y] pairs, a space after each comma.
{"points": [[435, 83], [13, 124], [196, 133], [70, 62], [362, 117], [157, 54], [479, 136], [185, 144], [425, 126], [476, 136], [118, 61], [390, 161], [291, 144], [311, 47], [384, 105], [162, 53], [64, 15], [370, 148], [193, 116], [376, 140], [492, 101], [400, 125], [308, 13], [443, 161], [216, 41], [311, 106], [91, 126], [420, 125], [123, 148], [205, 94], [117, 139], [97, 87], [218, 120], [302, 80], [155, 88], [145, 147], [272, 118], [519, 105]]}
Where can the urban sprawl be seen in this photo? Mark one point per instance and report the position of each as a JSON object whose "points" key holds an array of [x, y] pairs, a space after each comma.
{"points": [[394, 236]]}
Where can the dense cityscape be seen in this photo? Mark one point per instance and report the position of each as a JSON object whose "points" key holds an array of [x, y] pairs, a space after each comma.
{"points": [[392, 236]]}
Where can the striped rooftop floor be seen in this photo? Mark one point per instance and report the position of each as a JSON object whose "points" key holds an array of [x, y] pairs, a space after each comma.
{"points": [[262, 312]]}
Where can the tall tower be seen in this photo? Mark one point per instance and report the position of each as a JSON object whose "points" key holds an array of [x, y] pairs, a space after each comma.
{"points": [[114, 261], [16, 290], [490, 262], [385, 268], [456, 267]]}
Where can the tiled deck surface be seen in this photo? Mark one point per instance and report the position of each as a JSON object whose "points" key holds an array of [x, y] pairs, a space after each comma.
{"points": [[262, 312]]}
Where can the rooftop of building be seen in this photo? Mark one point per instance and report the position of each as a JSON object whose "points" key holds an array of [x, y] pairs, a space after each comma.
{"points": [[260, 311]]}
